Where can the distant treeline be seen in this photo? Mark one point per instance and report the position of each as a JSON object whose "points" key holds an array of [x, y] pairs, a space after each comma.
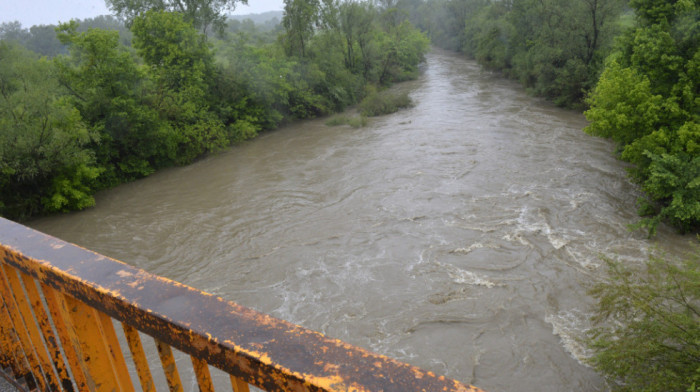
{"points": [[177, 84], [43, 41], [555, 48], [635, 65]]}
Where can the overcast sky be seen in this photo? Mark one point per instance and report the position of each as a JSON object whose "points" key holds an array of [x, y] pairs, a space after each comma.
{"points": [[34, 12]]}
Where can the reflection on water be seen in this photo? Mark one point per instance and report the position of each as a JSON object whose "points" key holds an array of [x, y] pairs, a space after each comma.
{"points": [[458, 235]]}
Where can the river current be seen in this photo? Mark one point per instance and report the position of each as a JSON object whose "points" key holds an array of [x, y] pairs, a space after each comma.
{"points": [[459, 235]]}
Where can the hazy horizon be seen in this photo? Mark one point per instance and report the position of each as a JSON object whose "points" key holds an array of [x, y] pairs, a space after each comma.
{"points": [[47, 12]]}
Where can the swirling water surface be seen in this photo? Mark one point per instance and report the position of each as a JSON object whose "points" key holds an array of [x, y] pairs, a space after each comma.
{"points": [[458, 235]]}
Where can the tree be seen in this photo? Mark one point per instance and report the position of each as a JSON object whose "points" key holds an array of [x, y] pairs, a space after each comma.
{"points": [[646, 100], [44, 163], [356, 21], [647, 326], [402, 48], [107, 22], [43, 40], [559, 45], [181, 69], [488, 36], [299, 21], [108, 88], [13, 31], [202, 14]]}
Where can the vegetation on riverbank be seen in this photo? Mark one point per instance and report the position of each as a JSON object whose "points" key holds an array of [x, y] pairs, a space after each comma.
{"points": [[648, 101], [555, 48], [344, 119], [379, 103], [108, 106], [647, 334], [375, 103], [633, 64]]}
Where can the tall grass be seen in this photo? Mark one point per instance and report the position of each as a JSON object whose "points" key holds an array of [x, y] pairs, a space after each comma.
{"points": [[385, 102]]}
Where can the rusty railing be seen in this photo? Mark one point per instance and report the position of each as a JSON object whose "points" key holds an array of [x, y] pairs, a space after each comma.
{"points": [[57, 331]]}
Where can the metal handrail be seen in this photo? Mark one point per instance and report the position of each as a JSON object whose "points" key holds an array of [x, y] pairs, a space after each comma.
{"points": [[56, 332]]}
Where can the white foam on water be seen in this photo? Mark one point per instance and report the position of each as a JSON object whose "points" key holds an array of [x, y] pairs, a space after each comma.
{"points": [[464, 251], [533, 222], [557, 241], [571, 326], [517, 238], [462, 276], [587, 261]]}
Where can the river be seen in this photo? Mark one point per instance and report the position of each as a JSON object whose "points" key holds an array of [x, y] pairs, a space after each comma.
{"points": [[459, 235]]}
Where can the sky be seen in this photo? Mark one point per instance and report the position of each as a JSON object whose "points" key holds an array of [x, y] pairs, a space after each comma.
{"points": [[35, 12]]}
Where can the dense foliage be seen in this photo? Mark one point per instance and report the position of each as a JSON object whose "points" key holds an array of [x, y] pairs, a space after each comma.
{"points": [[44, 162], [555, 48], [647, 336], [648, 101], [113, 105], [384, 102], [42, 39], [201, 14]]}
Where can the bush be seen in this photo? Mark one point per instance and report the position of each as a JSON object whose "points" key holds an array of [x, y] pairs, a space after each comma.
{"points": [[647, 336], [342, 119], [381, 103]]}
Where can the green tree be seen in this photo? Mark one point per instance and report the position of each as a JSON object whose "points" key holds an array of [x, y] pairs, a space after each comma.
{"points": [[13, 31], [401, 47], [107, 22], [202, 14], [647, 326], [258, 76], [181, 70], [108, 87], [357, 22], [299, 21], [447, 21], [647, 101], [43, 40], [560, 45], [44, 163], [488, 34]]}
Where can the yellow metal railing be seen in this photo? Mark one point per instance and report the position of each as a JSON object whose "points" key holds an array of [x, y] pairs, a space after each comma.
{"points": [[57, 331]]}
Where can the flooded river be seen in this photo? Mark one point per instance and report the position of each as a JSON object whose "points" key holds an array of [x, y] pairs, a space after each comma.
{"points": [[458, 235]]}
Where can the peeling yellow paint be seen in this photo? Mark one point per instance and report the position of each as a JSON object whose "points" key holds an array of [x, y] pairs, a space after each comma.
{"points": [[255, 347]]}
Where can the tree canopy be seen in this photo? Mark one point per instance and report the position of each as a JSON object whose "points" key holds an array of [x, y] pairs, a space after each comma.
{"points": [[647, 100], [202, 14], [44, 163]]}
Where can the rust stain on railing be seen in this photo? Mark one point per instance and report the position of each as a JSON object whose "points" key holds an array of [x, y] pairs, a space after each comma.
{"points": [[82, 289]]}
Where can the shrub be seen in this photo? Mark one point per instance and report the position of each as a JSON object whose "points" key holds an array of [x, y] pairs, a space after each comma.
{"points": [[381, 103], [647, 334], [342, 119]]}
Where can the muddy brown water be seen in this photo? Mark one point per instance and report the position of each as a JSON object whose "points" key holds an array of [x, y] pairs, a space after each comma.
{"points": [[458, 235]]}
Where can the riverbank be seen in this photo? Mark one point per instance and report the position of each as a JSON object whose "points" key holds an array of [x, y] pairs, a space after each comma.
{"points": [[478, 217]]}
